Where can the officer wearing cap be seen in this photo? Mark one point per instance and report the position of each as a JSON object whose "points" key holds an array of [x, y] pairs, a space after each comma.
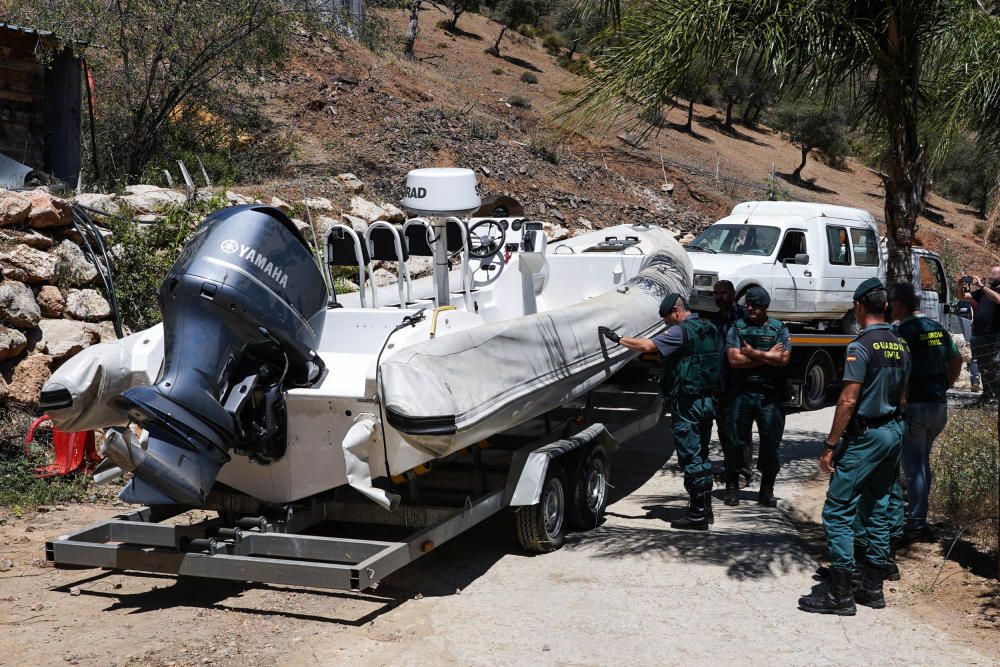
{"points": [[728, 314], [863, 451], [690, 355], [758, 347]]}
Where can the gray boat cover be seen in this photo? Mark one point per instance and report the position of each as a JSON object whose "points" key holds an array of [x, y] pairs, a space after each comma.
{"points": [[450, 392]]}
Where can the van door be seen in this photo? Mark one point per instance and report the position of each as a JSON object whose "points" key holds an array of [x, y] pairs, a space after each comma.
{"points": [[835, 286], [933, 286], [794, 289]]}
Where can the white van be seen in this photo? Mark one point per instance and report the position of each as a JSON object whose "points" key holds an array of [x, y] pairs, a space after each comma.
{"points": [[809, 257]]}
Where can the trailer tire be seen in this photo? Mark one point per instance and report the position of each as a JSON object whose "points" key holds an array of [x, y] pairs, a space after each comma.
{"points": [[849, 323], [590, 489], [816, 380], [542, 528]]}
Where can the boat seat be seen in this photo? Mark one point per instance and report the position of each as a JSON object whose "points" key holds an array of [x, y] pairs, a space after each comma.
{"points": [[341, 250], [383, 245]]}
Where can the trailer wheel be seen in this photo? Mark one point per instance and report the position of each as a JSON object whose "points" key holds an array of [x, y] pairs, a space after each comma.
{"points": [[815, 385], [849, 323], [542, 528], [590, 489]]}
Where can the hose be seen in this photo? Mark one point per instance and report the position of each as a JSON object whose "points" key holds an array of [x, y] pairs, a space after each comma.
{"points": [[88, 231]]}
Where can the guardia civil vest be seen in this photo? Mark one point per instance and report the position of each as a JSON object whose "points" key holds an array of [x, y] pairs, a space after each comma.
{"points": [[885, 373], [761, 337], [693, 370], [928, 342]]}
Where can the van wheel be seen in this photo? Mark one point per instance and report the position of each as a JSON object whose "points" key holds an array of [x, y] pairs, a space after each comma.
{"points": [[849, 323], [815, 386], [590, 489], [542, 528]]}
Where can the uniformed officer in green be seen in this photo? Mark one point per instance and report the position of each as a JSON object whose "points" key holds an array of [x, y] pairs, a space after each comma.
{"points": [[690, 354], [758, 348], [862, 451]]}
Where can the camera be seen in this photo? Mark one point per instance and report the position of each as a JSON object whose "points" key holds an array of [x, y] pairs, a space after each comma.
{"points": [[966, 280]]}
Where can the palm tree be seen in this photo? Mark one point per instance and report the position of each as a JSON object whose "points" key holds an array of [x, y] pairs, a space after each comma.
{"points": [[894, 56]]}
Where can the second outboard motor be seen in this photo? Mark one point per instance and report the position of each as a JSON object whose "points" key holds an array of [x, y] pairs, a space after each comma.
{"points": [[243, 313]]}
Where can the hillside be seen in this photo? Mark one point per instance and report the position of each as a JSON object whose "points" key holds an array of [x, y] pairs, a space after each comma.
{"points": [[378, 116]]}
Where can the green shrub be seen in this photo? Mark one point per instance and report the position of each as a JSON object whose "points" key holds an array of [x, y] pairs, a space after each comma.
{"points": [[443, 24], [527, 30], [497, 71], [483, 129], [528, 77], [519, 102], [553, 43], [579, 65], [965, 466], [544, 146]]}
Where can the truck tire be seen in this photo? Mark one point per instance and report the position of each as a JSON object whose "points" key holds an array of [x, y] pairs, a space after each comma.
{"points": [[590, 489], [542, 528], [816, 381]]}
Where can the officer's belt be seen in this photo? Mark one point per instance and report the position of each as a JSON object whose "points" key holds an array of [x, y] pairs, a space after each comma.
{"points": [[864, 423]]}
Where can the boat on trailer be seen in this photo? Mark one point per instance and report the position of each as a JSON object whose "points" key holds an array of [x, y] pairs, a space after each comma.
{"points": [[430, 404]]}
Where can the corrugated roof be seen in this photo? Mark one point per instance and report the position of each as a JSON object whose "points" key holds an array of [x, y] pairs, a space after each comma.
{"points": [[42, 34]]}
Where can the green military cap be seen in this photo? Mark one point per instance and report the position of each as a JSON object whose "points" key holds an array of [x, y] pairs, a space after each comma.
{"points": [[668, 303], [867, 286], [758, 296]]}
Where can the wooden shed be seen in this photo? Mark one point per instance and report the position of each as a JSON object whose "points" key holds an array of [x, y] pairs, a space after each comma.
{"points": [[40, 101]]}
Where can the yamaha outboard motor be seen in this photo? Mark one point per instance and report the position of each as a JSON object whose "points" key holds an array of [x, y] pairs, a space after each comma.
{"points": [[243, 313]]}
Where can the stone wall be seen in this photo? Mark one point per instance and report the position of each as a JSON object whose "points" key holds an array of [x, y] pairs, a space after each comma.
{"points": [[51, 306]]}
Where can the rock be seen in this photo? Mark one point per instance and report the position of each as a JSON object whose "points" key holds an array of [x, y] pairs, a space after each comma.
{"points": [[351, 183], [76, 238], [87, 305], [29, 376], [359, 225], [74, 268], [64, 338], [366, 210], [17, 305], [303, 227], [25, 264], [150, 199], [6, 563], [558, 215], [106, 331], [555, 232], [98, 202], [28, 237], [393, 213], [383, 277], [281, 205], [14, 208], [74, 590], [236, 199], [4, 390], [48, 211], [687, 238], [585, 223], [318, 204], [323, 224], [12, 343], [420, 266]]}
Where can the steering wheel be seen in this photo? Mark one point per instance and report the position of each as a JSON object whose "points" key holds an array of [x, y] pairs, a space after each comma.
{"points": [[486, 238], [488, 271]]}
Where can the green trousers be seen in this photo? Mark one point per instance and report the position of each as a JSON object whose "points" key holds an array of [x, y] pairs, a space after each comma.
{"points": [[691, 423], [865, 471], [745, 409], [896, 515]]}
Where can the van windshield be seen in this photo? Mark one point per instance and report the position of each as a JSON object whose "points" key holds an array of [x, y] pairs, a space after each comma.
{"points": [[737, 240]]}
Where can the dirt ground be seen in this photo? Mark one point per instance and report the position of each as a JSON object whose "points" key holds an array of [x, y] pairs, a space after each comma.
{"points": [[632, 591]]}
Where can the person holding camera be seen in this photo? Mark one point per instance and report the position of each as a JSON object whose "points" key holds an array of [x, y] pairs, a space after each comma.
{"points": [[986, 332]]}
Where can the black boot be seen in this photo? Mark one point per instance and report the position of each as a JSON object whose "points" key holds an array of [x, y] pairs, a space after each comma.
{"points": [[838, 598], [732, 489], [698, 514], [708, 507], [869, 593], [765, 496]]}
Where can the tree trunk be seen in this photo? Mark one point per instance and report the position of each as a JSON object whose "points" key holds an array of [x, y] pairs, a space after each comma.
{"points": [[797, 174], [495, 49], [906, 166], [729, 113], [689, 126], [572, 50], [411, 30], [454, 19]]}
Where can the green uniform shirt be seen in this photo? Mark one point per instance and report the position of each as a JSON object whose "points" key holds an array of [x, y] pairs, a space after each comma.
{"points": [[879, 360], [931, 348], [760, 337]]}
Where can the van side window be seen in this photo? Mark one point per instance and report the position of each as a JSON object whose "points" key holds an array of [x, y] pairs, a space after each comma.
{"points": [[838, 245], [794, 244], [866, 250], [932, 277]]}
